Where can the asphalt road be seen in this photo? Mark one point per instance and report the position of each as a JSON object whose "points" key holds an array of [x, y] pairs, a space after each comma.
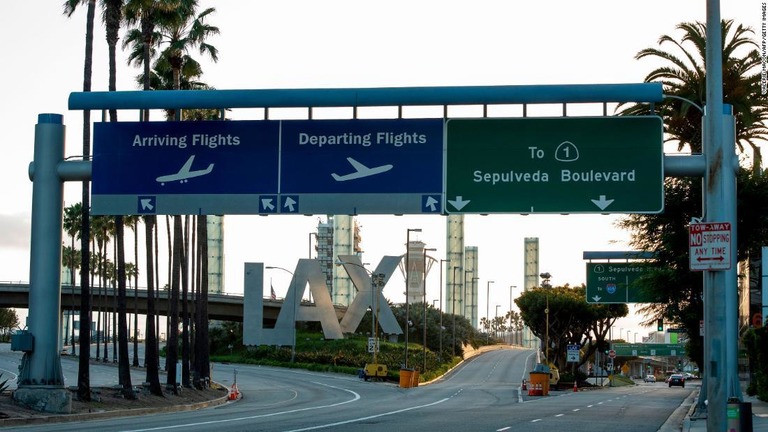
{"points": [[481, 395]]}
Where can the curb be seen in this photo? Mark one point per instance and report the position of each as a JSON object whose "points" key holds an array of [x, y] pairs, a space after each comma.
{"points": [[66, 418]]}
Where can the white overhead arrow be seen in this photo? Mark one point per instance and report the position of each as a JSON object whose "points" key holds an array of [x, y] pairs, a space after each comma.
{"points": [[431, 203], [266, 203], [602, 203], [459, 202], [146, 204], [290, 202], [596, 298]]}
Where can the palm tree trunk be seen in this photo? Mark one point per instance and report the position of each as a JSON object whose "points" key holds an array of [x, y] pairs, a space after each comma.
{"points": [[124, 369], [83, 366], [152, 356], [136, 293], [185, 307], [172, 351], [201, 338]]}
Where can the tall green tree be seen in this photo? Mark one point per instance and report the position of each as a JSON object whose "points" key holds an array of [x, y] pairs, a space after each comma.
{"points": [[571, 320], [9, 320], [683, 75], [83, 374]]}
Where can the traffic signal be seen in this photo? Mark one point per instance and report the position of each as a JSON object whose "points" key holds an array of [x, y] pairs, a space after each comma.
{"points": [[660, 324]]}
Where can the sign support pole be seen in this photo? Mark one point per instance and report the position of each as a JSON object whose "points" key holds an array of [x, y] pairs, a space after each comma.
{"points": [[41, 381], [720, 290]]}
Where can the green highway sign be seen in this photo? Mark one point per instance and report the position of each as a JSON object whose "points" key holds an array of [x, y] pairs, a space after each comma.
{"points": [[554, 165], [653, 349], [613, 282]]}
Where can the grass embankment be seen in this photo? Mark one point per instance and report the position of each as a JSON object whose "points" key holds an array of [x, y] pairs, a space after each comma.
{"points": [[341, 356]]}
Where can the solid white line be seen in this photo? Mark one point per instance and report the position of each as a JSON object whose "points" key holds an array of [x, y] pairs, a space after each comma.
{"points": [[368, 417], [212, 422]]}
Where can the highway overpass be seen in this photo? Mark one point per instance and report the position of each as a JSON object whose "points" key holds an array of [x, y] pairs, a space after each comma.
{"points": [[225, 307]]}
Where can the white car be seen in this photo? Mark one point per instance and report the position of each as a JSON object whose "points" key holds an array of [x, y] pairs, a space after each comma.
{"points": [[649, 379]]}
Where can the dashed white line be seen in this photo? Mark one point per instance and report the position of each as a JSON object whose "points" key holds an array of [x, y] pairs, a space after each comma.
{"points": [[503, 429]]}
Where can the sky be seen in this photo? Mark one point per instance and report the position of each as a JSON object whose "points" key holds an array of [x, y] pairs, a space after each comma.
{"points": [[348, 44]]}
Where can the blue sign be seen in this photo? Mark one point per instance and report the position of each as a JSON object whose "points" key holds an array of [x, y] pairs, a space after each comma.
{"points": [[269, 167], [362, 156], [185, 157]]}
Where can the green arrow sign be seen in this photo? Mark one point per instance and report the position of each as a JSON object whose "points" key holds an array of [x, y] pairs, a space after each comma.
{"points": [[554, 165], [626, 349], [612, 282]]}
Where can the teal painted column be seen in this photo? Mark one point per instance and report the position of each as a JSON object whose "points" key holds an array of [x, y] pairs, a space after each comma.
{"points": [[41, 382]]}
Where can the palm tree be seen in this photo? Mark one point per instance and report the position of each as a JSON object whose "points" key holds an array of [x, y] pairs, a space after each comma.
{"points": [[152, 356], [83, 374], [684, 78], [132, 222], [184, 32], [146, 14], [72, 224]]}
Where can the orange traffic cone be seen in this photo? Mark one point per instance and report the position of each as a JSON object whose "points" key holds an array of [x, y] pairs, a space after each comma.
{"points": [[233, 392], [575, 387]]}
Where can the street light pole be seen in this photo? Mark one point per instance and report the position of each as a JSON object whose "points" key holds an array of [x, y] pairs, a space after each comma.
{"points": [[407, 307], [424, 338], [488, 309], [441, 305], [453, 311], [545, 285], [511, 288]]}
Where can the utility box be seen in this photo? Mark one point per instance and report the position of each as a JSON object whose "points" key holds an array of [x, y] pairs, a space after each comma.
{"points": [[375, 370], [22, 341]]}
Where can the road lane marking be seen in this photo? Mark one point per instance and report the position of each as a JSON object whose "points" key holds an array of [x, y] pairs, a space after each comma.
{"points": [[503, 429], [369, 417], [212, 422]]}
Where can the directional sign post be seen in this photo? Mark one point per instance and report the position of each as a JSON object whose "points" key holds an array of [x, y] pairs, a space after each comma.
{"points": [[627, 349], [613, 282], [555, 165], [710, 246]]}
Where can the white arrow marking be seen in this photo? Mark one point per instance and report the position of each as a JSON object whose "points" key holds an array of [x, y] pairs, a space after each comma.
{"points": [[602, 203], [459, 202], [146, 204], [596, 298], [431, 203], [267, 204], [289, 202]]}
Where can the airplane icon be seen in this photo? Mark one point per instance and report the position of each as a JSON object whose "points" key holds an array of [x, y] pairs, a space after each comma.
{"points": [[361, 171], [185, 173]]}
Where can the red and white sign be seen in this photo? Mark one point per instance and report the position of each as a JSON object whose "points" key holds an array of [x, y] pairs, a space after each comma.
{"points": [[710, 246]]}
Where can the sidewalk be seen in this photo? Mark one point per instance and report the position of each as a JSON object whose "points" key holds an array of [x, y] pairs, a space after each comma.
{"points": [[759, 416]]}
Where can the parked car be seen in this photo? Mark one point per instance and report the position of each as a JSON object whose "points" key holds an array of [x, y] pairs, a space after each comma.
{"points": [[649, 379], [677, 380]]}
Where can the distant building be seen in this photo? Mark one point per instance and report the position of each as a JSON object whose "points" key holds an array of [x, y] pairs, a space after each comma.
{"points": [[339, 235], [454, 270], [470, 311]]}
